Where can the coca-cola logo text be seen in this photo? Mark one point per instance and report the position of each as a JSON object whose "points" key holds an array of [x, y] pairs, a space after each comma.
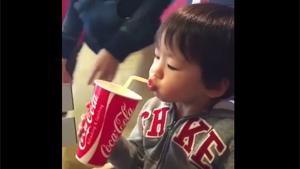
{"points": [[87, 124], [119, 124]]}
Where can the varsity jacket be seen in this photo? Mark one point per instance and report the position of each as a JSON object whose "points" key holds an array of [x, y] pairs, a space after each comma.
{"points": [[199, 141]]}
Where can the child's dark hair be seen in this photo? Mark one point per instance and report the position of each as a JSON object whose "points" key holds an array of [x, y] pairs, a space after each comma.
{"points": [[204, 33]]}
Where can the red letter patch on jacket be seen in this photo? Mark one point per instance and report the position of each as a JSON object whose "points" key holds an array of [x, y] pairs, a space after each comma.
{"points": [[204, 155], [145, 116], [186, 136], [157, 127]]}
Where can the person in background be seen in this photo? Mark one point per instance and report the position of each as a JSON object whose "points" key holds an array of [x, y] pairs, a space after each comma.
{"points": [[190, 122], [111, 29]]}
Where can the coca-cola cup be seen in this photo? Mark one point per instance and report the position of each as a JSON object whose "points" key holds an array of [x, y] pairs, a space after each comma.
{"points": [[110, 109]]}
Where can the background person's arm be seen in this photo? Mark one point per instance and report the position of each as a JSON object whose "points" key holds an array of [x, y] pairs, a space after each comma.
{"points": [[138, 31], [135, 34], [71, 30]]}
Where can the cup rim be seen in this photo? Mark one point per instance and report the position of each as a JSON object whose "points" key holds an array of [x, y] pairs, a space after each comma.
{"points": [[113, 87]]}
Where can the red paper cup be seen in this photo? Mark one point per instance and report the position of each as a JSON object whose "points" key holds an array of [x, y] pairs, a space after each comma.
{"points": [[110, 110]]}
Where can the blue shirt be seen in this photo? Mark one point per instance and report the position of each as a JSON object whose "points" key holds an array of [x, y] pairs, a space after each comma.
{"points": [[120, 26]]}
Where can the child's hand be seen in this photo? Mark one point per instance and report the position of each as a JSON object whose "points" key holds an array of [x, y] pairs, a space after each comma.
{"points": [[83, 121], [81, 125], [106, 166]]}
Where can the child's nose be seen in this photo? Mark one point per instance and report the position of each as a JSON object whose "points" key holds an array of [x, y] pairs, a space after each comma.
{"points": [[158, 71]]}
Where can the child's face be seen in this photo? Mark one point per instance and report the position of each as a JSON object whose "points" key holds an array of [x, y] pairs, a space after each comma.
{"points": [[173, 79]]}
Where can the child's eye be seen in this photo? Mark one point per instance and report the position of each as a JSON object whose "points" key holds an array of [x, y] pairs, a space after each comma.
{"points": [[156, 57], [171, 67]]}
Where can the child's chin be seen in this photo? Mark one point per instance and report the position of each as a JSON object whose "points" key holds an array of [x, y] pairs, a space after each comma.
{"points": [[162, 98]]}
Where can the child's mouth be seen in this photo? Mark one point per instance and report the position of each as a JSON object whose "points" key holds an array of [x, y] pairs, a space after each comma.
{"points": [[151, 85]]}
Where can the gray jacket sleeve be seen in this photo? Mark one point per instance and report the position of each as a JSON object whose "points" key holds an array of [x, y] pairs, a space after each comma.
{"points": [[228, 162]]}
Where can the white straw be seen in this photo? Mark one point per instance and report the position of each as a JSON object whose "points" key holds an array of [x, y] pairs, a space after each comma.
{"points": [[128, 82]]}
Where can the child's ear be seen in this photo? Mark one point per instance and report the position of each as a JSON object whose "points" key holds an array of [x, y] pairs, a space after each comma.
{"points": [[219, 90]]}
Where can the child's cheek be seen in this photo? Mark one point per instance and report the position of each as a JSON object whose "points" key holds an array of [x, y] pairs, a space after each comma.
{"points": [[151, 70]]}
